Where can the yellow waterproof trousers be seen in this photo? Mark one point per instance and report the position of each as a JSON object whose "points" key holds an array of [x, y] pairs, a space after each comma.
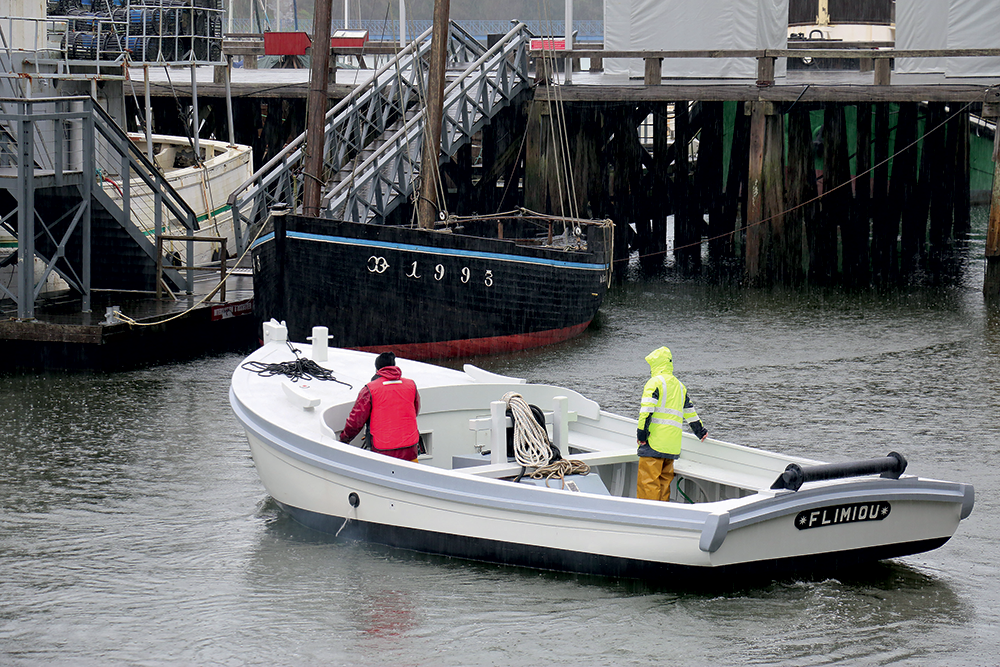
{"points": [[654, 478]]}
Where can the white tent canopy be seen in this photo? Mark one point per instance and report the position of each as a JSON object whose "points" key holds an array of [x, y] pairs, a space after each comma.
{"points": [[679, 25], [948, 24]]}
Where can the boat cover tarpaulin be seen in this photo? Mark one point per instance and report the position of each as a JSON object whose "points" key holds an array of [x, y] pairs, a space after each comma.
{"points": [[676, 25], [970, 24]]}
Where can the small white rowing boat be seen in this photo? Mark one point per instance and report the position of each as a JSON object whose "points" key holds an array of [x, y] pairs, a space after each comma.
{"points": [[734, 509]]}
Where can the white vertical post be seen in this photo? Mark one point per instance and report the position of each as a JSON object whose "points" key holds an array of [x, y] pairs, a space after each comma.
{"points": [[320, 343], [498, 432], [560, 424], [347, 12], [402, 24], [568, 78], [149, 115], [196, 130]]}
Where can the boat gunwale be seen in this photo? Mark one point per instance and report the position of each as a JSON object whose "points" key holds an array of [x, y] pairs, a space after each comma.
{"points": [[581, 265]]}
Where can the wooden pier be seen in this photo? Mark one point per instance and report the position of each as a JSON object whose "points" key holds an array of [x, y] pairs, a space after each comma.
{"points": [[851, 178], [805, 195], [143, 331]]}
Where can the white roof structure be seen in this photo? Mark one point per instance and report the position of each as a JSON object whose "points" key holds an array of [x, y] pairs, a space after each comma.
{"points": [[948, 24], [674, 25]]}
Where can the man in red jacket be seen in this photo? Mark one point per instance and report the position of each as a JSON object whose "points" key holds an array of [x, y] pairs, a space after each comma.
{"points": [[389, 404]]}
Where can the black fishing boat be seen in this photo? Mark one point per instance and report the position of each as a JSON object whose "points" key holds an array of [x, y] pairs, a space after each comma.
{"points": [[432, 293], [444, 286]]}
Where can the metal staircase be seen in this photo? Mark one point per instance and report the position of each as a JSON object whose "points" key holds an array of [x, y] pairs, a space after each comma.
{"points": [[373, 137], [77, 189]]}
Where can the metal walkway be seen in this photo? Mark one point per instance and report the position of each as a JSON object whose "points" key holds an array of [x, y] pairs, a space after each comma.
{"points": [[373, 137], [74, 192]]}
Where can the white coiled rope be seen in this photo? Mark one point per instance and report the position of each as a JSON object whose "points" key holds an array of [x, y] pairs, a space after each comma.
{"points": [[531, 442]]}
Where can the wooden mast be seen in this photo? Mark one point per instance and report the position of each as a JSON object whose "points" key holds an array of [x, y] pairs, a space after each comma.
{"points": [[312, 190], [427, 205]]}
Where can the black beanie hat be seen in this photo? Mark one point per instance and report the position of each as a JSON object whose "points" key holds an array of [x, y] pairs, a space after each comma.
{"points": [[385, 359]]}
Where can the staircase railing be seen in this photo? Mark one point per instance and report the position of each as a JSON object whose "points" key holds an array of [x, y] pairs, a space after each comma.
{"points": [[387, 177], [90, 151], [351, 126]]}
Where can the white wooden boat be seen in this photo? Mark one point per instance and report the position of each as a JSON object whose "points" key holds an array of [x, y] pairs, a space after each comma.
{"points": [[205, 188], [724, 516]]}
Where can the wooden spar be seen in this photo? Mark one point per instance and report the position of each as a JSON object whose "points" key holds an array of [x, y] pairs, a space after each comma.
{"points": [[427, 205], [312, 190]]}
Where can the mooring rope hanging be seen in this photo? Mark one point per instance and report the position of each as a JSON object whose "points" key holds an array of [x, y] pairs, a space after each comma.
{"points": [[560, 469]]}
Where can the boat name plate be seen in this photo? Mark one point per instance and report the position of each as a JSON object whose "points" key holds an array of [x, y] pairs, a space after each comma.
{"points": [[837, 514]]}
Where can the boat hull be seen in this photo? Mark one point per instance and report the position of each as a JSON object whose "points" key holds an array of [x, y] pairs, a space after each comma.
{"points": [[456, 502], [424, 294], [549, 539], [561, 560]]}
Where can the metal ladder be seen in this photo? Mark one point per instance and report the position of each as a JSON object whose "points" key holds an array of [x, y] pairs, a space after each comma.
{"points": [[373, 136]]}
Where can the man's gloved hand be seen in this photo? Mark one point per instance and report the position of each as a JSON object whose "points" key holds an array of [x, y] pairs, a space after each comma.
{"points": [[699, 430]]}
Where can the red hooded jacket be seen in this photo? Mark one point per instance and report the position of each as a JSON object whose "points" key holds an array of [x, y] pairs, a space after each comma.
{"points": [[389, 405]]}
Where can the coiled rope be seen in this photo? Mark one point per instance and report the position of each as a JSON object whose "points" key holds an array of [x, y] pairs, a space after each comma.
{"points": [[531, 442], [532, 447], [299, 369]]}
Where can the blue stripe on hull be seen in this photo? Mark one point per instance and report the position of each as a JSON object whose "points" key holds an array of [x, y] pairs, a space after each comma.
{"points": [[388, 245]]}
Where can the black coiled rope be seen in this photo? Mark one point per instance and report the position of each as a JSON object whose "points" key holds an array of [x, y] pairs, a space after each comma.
{"points": [[299, 369]]}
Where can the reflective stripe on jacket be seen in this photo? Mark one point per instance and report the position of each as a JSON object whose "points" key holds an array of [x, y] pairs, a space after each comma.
{"points": [[664, 406], [395, 403], [662, 413]]}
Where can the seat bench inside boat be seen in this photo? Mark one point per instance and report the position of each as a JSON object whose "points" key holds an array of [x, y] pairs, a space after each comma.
{"points": [[458, 424]]}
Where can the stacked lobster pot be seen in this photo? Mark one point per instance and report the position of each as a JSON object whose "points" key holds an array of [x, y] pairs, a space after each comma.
{"points": [[143, 31]]}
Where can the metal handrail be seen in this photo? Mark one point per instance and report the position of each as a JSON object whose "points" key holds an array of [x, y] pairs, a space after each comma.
{"points": [[143, 168], [121, 153], [402, 149], [350, 126]]}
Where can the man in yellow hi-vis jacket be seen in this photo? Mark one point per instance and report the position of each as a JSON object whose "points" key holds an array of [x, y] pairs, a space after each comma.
{"points": [[665, 406]]}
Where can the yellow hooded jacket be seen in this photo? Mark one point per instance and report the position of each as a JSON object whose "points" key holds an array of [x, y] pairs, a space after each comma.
{"points": [[664, 406]]}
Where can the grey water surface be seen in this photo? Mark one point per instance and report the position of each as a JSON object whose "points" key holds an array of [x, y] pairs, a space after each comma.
{"points": [[134, 529]]}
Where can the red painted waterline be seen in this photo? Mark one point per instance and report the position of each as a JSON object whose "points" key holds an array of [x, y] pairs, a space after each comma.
{"points": [[477, 346]]}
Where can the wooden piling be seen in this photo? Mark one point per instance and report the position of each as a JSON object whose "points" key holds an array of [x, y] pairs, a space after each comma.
{"points": [[991, 281], [961, 188], [800, 194], [542, 183], [855, 230], [755, 208], [905, 193], [661, 203], [774, 239], [824, 247], [688, 222], [735, 213], [708, 176], [885, 225], [937, 145]]}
